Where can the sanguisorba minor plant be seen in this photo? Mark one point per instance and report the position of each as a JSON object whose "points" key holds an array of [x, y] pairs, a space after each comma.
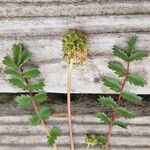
{"points": [[128, 56], [20, 78], [75, 52]]}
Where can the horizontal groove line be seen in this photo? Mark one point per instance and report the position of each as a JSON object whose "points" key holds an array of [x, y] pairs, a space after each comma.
{"points": [[61, 34], [46, 17], [65, 122], [16, 134], [77, 15], [67, 145]]}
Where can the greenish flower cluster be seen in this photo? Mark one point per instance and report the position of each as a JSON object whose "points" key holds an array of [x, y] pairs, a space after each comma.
{"points": [[75, 46]]}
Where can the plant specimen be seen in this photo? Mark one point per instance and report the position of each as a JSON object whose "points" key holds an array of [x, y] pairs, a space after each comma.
{"points": [[36, 97], [128, 56], [75, 52]]}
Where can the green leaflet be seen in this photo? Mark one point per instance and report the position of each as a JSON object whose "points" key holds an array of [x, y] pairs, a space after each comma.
{"points": [[41, 97], [45, 112], [117, 68], [18, 82], [25, 57], [17, 50], [23, 100], [139, 55], [123, 112], [136, 79], [52, 137], [131, 97], [120, 53], [8, 61], [113, 84], [101, 140], [120, 124], [36, 86], [35, 120], [131, 44], [32, 73], [108, 101], [103, 117], [13, 72]]}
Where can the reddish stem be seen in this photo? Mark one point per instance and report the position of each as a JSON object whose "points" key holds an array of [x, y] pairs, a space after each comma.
{"points": [[114, 114], [36, 110]]}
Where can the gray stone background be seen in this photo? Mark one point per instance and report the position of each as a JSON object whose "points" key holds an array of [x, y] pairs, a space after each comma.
{"points": [[40, 26]]}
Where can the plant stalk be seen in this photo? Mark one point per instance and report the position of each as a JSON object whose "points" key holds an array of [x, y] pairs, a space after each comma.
{"points": [[114, 114], [70, 68], [36, 110]]}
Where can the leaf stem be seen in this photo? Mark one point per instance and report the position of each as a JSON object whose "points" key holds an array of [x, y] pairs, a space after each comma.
{"points": [[114, 114], [70, 67], [36, 110]]}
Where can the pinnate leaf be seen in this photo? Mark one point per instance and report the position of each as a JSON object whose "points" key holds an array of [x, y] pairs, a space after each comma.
{"points": [[123, 112], [119, 123], [23, 100], [136, 79], [120, 53], [103, 117], [108, 101], [41, 97], [131, 97], [117, 68], [113, 84], [32, 73]]}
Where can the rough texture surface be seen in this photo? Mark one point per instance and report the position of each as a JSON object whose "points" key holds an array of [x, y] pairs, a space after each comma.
{"points": [[16, 133], [41, 24]]}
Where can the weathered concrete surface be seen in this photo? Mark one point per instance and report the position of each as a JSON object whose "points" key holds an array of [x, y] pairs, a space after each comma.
{"points": [[71, 9], [41, 24], [19, 27], [16, 133]]}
